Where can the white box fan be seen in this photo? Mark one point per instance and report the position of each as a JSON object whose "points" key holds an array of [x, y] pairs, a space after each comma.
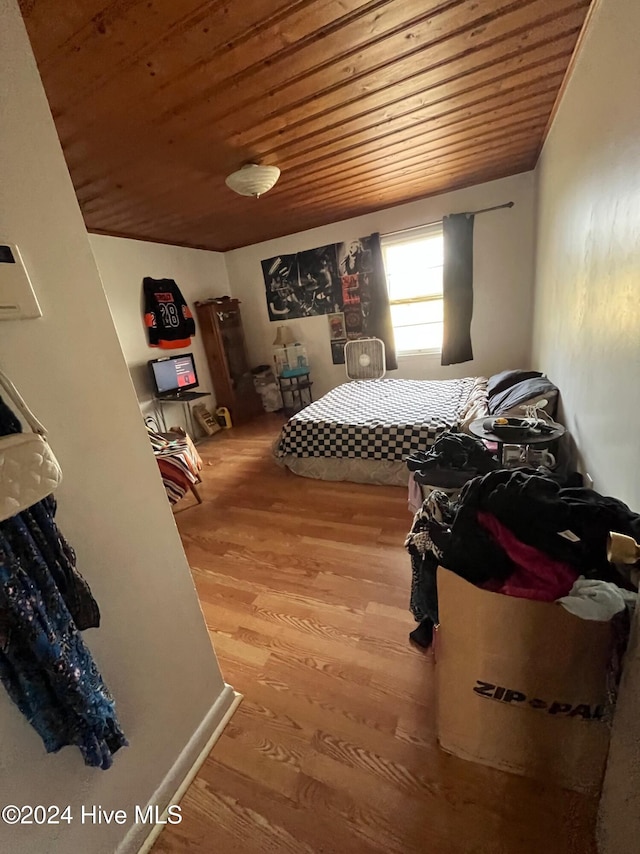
{"points": [[364, 359]]}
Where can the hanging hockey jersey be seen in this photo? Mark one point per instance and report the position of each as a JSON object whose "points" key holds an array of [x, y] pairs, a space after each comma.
{"points": [[167, 316]]}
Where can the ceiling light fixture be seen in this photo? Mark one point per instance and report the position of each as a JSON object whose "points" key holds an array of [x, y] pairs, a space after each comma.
{"points": [[253, 179]]}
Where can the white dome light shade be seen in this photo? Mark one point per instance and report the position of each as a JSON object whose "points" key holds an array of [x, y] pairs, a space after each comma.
{"points": [[253, 179]]}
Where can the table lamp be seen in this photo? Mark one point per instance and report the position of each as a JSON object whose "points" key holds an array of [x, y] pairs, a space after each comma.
{"points": [[289, 355], [284, 338]]}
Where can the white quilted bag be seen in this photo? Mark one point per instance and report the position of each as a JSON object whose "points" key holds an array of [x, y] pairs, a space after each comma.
{"points": [[29, 470]]}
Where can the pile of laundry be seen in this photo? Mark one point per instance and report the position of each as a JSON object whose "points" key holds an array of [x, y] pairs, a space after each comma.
{"points": [[520, 533], [452, 460]]}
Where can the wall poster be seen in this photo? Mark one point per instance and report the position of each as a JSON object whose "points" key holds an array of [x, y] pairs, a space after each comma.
{"points": [[302, 285], [337, 328]]}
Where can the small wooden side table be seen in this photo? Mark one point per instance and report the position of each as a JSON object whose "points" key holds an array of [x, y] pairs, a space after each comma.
{"points": [[296, 392]]}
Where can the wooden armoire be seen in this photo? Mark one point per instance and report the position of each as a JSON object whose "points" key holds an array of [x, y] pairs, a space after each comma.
{"points": [[223, 339]]}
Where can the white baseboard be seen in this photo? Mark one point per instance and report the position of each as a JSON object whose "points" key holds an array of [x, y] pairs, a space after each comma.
{"points": [[141, 838]]}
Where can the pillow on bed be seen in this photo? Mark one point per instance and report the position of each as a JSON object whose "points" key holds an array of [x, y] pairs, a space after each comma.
{"points": [[506, 379], [524, 393]]}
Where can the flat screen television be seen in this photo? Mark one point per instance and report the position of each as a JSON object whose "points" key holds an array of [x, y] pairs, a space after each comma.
{"points": [[173, 374]]}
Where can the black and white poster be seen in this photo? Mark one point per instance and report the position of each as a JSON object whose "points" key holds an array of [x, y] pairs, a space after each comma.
{"points": [[281, 283], [319, 283], [302, 285], [354, 256]]}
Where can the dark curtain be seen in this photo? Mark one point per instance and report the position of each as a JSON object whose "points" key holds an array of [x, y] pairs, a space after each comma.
{"points": [[457, 288], [381, 325]]}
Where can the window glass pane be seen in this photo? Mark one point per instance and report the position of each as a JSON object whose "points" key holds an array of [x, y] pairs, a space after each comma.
{"points": [[429, 311], [427, 336], [414, 268], [426, 283], [413, 262]]}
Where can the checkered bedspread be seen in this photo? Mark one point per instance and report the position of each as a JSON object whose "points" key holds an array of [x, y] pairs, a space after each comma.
{"points": [[376, 419]]}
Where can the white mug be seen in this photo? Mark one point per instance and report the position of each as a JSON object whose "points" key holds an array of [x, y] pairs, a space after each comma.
{"points": [[540, 457]]}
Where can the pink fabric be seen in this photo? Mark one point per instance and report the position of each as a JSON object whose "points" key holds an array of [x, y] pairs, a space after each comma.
{"points": [[537, 576]]}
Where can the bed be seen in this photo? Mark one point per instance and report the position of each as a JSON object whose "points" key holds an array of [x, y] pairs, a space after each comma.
{"points": [[362, 431]]}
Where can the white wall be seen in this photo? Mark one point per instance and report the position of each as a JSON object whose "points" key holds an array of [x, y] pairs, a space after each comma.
{"points": [[503, 281], [122, 265], [587, 315], [152, 647]]}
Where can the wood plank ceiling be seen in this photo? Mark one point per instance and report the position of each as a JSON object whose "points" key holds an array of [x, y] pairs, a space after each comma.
{"points": [[363, 104]]}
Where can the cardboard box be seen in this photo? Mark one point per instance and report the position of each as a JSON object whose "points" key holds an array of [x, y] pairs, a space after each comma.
{"points": [[522, 685]]}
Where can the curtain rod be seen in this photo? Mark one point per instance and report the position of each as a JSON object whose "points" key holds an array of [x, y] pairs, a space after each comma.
{"points": [[436, 221], [486, 210]]}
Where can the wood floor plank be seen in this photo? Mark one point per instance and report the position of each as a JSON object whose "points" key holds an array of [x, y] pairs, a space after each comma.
{"points": [[312, 708], [360, 590], [370, 827], [337, 835], [233, 648], [304, 586], [244, 826], [261, 760], [316, 600], [294, 717], [325, 692], [389, 611], [341, 655]]}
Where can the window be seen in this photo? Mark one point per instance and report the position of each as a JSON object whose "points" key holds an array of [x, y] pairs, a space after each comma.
{"points": [[413, 261]]}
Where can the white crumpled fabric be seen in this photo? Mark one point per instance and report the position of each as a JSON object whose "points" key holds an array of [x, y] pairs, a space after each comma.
{"points": [[592, 599]]}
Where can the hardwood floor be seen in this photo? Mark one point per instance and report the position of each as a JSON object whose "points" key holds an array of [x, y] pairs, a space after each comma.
{"points": [[304, 586]]}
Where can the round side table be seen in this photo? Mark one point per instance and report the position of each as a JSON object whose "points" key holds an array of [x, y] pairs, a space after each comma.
{"points": [[478, 429]]}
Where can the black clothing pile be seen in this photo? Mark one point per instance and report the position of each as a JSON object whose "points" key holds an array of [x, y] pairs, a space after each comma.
{"points": [[452, 460], [568, 526]]}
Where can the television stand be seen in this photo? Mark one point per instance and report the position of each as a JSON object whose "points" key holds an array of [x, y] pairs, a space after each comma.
{"points": [[182, 396], [185, 398]]}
